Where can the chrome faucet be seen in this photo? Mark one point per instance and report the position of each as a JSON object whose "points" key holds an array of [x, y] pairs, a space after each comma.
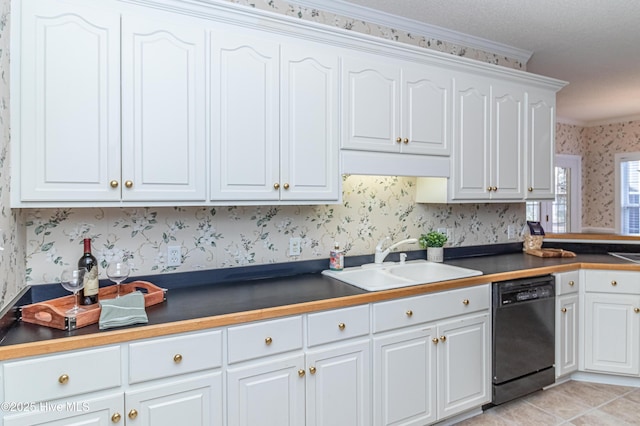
{"points": [[380, 254]]}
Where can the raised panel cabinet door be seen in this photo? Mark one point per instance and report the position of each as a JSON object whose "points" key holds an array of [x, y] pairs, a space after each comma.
{"points": [[566, 334], [86, 411], [68, 132], [338, 391], [472, 145], [541, 110], [309, 147], [245, 104], [464, 364], [426, 108], [163, 109], [267, 393], [508, 152], [404, 378], [612, 333], [371, 104], [193, 401]]}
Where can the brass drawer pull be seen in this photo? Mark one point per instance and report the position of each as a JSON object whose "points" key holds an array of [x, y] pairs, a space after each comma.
{"points": [[312, 370], [465, 302], [268, 340], [443, 338], [636, 310], [133, 413], [128, 184], [564, 310], [64, 379], [614, 283], [177, 358], [342, 326], [113, 183], [435, 340], [409, 313], [571, 283], [301, 373], [116, 417]]}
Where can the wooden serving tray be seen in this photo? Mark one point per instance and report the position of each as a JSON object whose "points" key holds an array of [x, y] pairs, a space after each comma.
{"points": [[549, 252], [51, 313]]}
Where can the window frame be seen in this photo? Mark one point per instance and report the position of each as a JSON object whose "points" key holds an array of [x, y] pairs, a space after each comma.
{"points": [[619, 159]]}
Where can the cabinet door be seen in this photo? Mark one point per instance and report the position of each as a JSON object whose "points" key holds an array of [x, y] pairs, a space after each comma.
{"points": [[370, 104], [196, 401], [507, 138], [612, 336], [309, 148], [541, 110], [566, 334], [464, 365], [267, 394], [426, 101], [163, 102], [103, 411], [404, 378], [472, 149], [245, 89], [69, 127], [338, 391]]}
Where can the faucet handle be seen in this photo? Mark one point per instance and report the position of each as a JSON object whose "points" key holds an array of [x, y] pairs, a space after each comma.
{"points": [[381, 242], [403, 258]]}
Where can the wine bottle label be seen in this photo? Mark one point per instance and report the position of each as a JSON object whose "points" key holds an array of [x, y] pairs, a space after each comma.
{"points": [[91, 283]]}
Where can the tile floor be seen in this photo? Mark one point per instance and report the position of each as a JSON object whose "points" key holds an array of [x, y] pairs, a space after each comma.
{"points": [[570, 403]]}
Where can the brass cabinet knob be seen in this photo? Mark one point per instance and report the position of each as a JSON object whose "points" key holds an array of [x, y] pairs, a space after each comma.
{"points": [[276, 185], [494, 188], [133, 413], [405, 140], [409, 313], [489, 188], [614, 283], [443, 338], [116, 417], [398, 139], [268, 340], [312, 370], [435, 340], [342, 326], [128, 184], [564, 310], [177, 358], [530, 189], [113, 183], [64, 379], [571, 283], [285, 186], [465, 302], [636, 310], [301, 373]]}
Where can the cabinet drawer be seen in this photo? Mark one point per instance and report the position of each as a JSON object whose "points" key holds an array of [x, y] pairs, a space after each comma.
{"points": [[627, 282], [430, 307], [60, 376], [339, 324], [264, 338], [567, 282], [171, 356]]}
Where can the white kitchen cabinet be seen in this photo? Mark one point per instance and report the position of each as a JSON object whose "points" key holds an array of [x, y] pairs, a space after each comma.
{"points": [[69, 85], [274, 119], [97, 76], [567, 321], [395, 106], [438, 364], [540, 152], [612, 322], [163, 109], [488, 157]]}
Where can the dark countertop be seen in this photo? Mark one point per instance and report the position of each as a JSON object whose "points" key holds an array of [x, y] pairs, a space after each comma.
{"points": [[283, 296]]}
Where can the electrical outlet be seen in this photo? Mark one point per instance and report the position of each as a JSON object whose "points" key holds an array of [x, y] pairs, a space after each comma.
{"points": [[174, 256], [442, 231], [295, 246], [511, 232], [450, 235]]}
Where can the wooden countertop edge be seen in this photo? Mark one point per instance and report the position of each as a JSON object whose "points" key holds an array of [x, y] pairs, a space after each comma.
{"points": [[157, 330]]}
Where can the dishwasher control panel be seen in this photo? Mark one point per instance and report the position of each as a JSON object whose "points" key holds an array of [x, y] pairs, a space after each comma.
{"points": [[526, 294]]}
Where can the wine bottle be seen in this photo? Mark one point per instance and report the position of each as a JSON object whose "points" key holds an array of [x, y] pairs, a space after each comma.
{"points": [[89, 293]]}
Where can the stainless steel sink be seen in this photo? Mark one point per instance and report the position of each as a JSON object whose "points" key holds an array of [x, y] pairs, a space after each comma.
{"points": [[631, 257], [395, 275]]}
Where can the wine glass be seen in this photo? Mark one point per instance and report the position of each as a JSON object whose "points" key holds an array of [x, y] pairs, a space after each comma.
{"points": [[118, 271], [73, 280]]}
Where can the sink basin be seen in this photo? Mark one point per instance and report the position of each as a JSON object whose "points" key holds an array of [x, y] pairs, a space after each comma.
{"points": [[631, 257], [394, 275]]}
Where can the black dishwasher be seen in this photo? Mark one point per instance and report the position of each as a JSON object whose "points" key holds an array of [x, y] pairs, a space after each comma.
{"points": [[523, 336]]}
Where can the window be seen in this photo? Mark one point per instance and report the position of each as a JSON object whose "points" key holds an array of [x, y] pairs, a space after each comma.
{"points": [[562, 214], [628, 193]]}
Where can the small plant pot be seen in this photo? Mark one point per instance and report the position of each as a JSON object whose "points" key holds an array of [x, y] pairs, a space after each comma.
{"points": [[435, 254]]}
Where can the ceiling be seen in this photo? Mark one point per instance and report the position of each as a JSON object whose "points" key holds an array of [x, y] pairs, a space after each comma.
{"points": [[592, 44]]}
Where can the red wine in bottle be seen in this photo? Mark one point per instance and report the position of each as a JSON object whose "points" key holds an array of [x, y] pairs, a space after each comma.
{"points": [[89, 293]]}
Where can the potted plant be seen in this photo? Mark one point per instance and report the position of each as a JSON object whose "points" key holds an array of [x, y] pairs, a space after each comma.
{"points": [[433, 241]]}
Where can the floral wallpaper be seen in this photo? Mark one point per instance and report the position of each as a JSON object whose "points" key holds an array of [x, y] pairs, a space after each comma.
{"points": [[37, 243]]}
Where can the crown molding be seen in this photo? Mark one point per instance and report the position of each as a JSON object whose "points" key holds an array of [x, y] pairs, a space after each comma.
{"points": [[366, 14]]}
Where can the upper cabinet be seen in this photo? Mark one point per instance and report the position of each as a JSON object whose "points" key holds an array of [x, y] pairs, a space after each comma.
{"points": [[395, 106], [150, 103], [274, 119]]}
